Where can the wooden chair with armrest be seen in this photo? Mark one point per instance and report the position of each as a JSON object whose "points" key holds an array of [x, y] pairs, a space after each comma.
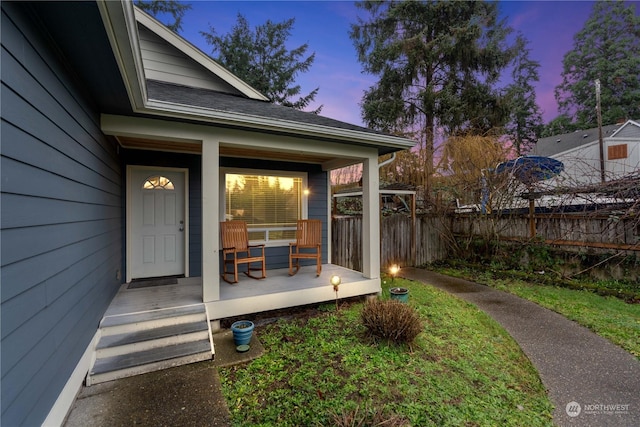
{"points": [[237, 250], [308, 245]]}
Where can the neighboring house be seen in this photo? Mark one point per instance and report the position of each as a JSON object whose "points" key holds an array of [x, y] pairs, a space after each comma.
{"points": [[580, 153], [107, 116]]}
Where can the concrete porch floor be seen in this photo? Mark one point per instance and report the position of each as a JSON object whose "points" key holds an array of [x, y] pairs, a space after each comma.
{"points": [[277, 290]]}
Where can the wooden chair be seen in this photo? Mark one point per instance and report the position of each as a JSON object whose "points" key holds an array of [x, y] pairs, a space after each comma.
{"points": [[308, 244], [237, 250]]}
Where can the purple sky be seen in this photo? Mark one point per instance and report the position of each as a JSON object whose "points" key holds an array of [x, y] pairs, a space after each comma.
{"points": [[324, 25]]}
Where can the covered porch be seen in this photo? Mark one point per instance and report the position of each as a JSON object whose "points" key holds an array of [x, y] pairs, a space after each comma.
{"points": [[222, 151], [278, 290]]}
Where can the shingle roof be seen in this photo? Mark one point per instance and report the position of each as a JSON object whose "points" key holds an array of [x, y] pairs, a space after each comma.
{"points": [[228, 103], [561, 143]]}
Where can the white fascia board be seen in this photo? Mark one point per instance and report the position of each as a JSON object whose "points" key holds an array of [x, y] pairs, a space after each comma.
{"points": [[627, 123], [248, 121], [120, 24], [197, 55]]}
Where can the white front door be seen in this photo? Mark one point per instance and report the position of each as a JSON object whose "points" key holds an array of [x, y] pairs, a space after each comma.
{"points": [[157, 223]]}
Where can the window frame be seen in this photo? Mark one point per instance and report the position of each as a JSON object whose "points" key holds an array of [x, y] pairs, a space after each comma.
{"points": [[304, 209]]}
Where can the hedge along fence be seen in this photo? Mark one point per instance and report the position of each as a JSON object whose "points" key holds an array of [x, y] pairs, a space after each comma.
{"points": [[404, 241], [583, 230], [412, 243]]}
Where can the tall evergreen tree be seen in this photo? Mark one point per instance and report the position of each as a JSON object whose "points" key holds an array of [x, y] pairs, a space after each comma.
{"points": [[558, 126], [437, 64], [525, 123], [161, 8], [606, 48], [261, 59]]}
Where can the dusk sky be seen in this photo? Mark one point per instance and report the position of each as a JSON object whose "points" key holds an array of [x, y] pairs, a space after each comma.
{"points": [[324, 26]]}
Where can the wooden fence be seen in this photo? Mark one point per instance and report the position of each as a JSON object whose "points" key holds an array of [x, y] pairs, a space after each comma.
{"points": [[403, 241], [579, 230], [416, 242]]}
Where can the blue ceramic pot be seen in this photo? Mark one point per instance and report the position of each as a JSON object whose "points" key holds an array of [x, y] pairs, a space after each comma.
{"points": [[400, 294], [242, 331]]}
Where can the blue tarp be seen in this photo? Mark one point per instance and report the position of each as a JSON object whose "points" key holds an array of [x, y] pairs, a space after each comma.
{"points": [[530, 169]]}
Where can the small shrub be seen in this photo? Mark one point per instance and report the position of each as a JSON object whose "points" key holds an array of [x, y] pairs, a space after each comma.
{"points": [[391, 320], [367, 418]]}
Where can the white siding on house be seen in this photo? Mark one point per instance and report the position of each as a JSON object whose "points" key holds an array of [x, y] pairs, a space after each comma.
{"points": [[582, 164], [165, 63], [620, 167]]}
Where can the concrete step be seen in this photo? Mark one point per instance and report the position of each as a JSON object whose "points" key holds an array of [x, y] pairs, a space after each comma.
{"points": [[127, 365], [114, 325], [130, 342], [138, 343]]}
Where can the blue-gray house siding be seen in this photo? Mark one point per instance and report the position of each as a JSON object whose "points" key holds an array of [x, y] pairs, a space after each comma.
{"points": [[61, 223], [62, 197]]}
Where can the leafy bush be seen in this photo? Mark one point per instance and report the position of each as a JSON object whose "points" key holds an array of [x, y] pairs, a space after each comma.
{"points": [[391, 320]]}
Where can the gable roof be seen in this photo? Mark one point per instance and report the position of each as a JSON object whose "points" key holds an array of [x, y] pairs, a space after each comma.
{"points": [[248, 112], [182, 46], [630, 129], [556, 144]]}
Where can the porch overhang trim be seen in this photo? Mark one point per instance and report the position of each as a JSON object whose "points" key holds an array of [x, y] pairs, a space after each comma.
{"points": [[189, 133]]}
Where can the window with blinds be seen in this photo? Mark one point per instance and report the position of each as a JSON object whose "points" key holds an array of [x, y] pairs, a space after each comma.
{"points": [[269, 204]]}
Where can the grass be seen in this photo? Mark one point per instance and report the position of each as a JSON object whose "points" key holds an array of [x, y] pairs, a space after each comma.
{"points": [[608, 316], [464, 369]]}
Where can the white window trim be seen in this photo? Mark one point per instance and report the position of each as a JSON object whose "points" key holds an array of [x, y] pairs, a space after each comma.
{"points": [[264, 172]]}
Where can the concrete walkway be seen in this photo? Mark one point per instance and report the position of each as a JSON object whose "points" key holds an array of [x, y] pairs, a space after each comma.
{"points": [[189, 395], [591, 381]]}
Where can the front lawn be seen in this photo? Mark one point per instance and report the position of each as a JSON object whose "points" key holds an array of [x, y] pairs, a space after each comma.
{"points": [[464, 369]]}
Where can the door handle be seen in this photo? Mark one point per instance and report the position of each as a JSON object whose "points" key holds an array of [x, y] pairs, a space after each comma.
{"points": [[181, 226]]}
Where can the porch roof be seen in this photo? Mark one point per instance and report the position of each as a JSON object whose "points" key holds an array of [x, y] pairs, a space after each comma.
{"points": [[214, 100]]}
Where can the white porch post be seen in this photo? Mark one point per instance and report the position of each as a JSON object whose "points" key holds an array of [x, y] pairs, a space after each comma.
{"points": [[329, 216], [370, 218], [210, 220]]}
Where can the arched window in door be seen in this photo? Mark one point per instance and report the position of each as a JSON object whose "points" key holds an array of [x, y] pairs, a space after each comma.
{"points": [[158, 183]]}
